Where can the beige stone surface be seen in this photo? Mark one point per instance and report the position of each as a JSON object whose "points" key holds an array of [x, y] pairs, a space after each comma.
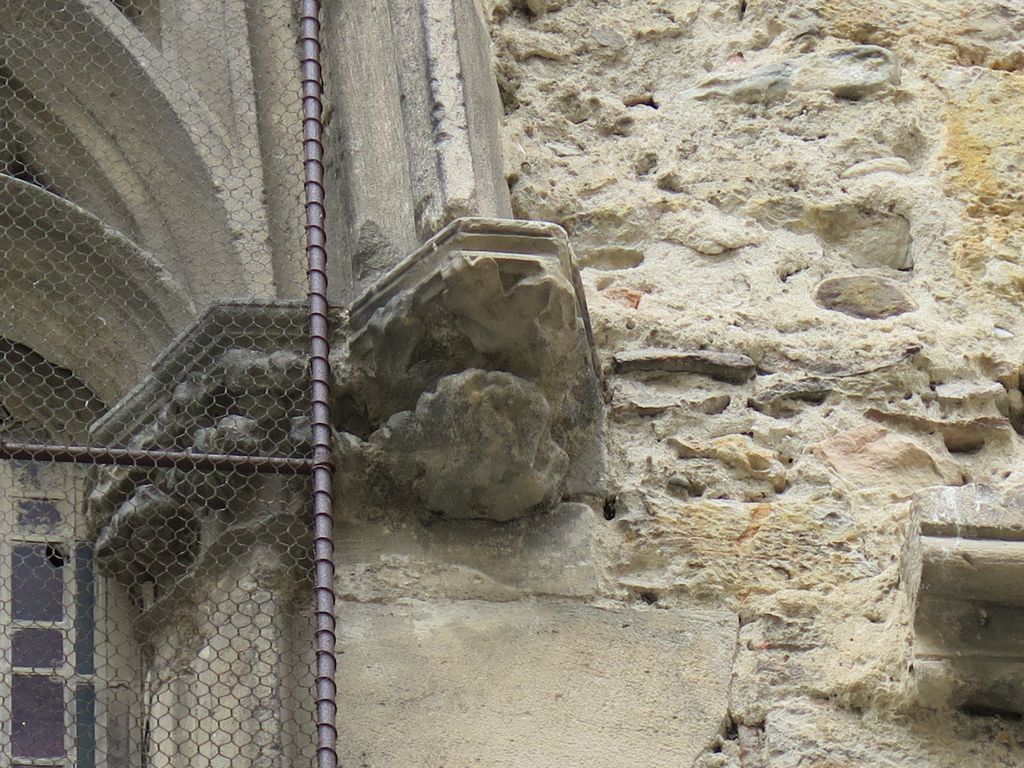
{"points": [[550, 554], [803, 732], [874, 457], [531, 684], [800, 228], [832, 190]]}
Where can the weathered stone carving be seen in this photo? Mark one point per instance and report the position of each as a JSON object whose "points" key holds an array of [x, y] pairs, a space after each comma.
{"points": [[964, 573], [506, 465], [233, 383], [470, 375], [466, 387]]}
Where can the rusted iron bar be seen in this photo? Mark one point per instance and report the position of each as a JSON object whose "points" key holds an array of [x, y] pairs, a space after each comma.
{"points": [[319, 375], [134, 457]]}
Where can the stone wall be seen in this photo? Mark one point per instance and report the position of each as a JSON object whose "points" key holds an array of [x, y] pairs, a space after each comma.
{"points": [[829, 195], [798, 224]]}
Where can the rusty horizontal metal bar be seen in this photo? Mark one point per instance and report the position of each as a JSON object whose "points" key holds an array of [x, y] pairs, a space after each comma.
{"points": [[135, 457]]}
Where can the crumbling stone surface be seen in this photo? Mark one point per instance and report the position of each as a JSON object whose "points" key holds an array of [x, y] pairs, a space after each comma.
{"points": [[828, 189], [849, 73], [801, 731]]}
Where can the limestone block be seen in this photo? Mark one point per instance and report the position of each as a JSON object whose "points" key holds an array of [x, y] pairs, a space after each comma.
{"points": [[722, 547], [972, 511], [552, 554], [416, 114], [765, 84], [852, 73], [612, 257], [865, 236], [874, 457], [782, 398], [963, 570], [849, 73], [531, 684], [973, 395], [724, 366], [709, 231], [738, 452], [958, 435]]}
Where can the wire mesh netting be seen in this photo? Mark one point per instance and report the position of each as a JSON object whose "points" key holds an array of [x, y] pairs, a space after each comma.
{"points": [[154, 493]]}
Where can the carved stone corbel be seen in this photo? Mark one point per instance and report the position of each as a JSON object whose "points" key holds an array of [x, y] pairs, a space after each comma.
{"points": [[470, 374]]}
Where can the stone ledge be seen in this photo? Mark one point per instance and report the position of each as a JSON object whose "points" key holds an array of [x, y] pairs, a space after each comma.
{"points": [[964, 572]]}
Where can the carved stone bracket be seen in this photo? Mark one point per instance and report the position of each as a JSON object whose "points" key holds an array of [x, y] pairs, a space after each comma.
{"points": [[466, 387], [964, 572], [469, 379], [233, 383]]}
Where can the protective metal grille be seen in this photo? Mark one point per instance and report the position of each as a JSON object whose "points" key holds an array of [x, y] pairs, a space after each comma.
{"points": [[157, 555]]}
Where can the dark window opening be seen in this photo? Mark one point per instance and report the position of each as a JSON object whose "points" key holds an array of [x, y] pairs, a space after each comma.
{"points": [[39, 648], [37, 717], [37, 582]]}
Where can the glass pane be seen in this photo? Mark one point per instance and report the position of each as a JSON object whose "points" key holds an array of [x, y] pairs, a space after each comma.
{"points": [[37, 648], [37, 717], [38, 514], [37, 582], [29, 474]]}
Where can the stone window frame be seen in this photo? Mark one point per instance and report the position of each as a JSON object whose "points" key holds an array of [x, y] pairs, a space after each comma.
{"points": [[85, 625]]}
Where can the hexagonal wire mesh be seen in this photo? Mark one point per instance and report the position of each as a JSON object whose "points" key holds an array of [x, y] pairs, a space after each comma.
{"points": [[155, 515]]}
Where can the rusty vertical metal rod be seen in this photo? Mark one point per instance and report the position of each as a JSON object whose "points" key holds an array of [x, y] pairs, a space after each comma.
{"points": [[319, 374]]}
